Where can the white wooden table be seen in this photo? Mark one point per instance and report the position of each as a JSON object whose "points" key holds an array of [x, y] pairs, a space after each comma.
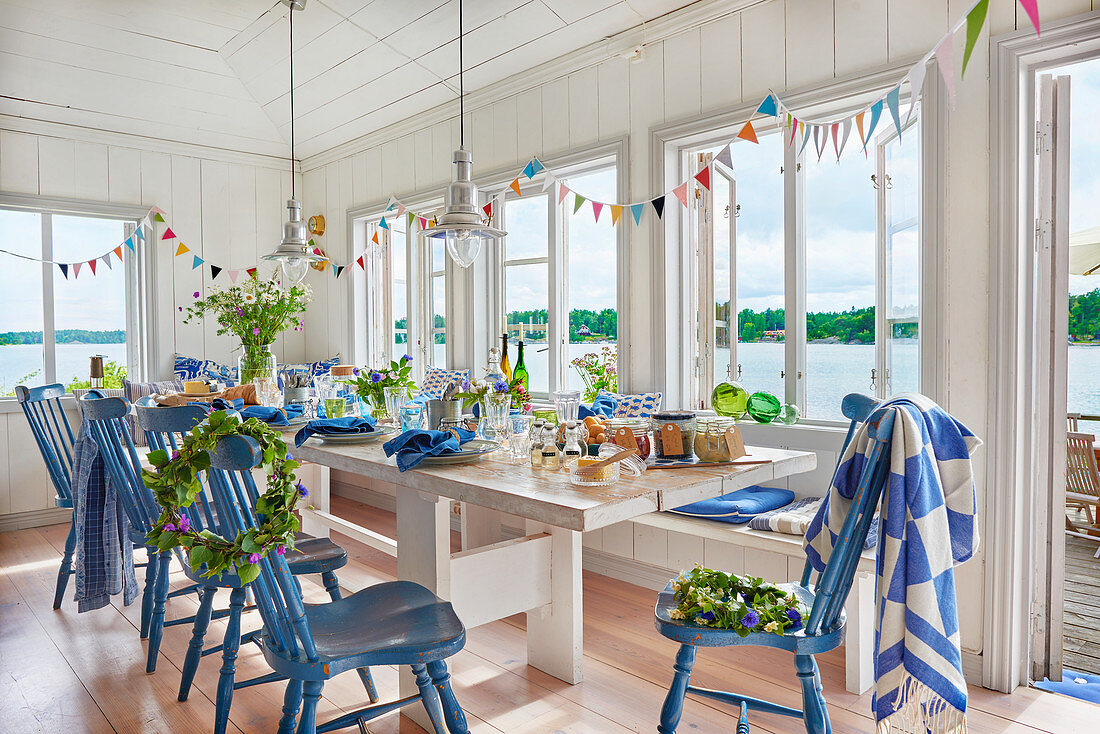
{"points": [[539, 573]]}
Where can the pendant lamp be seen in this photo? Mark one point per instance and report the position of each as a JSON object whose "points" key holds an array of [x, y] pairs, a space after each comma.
{"points": [[293, 253], [462, 225]]}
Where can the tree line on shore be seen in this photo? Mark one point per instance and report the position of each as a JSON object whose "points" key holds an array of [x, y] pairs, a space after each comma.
{"points": [[65, 336]]}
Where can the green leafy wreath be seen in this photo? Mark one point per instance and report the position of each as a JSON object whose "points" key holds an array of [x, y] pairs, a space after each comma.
{"points": [[742, 603], [175, 483]]}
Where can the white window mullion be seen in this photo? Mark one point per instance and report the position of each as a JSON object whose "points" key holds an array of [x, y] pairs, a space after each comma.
{"points": [[49, 355], [705, 334], [558, 334], [794, 277], [878, 379]]}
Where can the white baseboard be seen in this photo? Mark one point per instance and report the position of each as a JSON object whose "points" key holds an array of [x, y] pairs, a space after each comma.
{"points": [[34, 518]]}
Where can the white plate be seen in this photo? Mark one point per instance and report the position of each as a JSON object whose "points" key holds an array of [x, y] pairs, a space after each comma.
{"points": [[374, 435], [470, 451]]}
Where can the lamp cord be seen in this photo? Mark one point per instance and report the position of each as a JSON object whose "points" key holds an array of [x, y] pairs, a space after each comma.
{"points": [[461, 90], [292, 191]]}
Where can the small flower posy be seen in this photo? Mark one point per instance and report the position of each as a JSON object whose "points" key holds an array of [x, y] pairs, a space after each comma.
{"points": [[744, 604]]}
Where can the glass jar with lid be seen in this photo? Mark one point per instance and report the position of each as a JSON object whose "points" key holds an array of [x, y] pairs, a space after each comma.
{"points": [[621, 430], [668, 426], [710, 438]]}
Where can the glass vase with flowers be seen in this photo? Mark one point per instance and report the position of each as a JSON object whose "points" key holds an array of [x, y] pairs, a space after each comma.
{"points": [[255, 311], [370, 384], [479, 391], [599, 372]]}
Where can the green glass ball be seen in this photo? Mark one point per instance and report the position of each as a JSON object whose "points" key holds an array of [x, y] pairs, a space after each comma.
{"points": [[789, 414], [730, 399], [764, 407]]}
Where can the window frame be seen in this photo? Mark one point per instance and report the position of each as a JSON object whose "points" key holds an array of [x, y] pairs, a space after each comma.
{"points": [[139, 269], [679, 141]]}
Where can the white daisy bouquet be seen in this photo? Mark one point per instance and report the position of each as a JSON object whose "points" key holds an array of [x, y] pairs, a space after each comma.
{"points": [[256, 311]]}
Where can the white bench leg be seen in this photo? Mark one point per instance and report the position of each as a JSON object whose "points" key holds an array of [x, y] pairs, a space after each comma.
{"points": [[859, 636], [555, 643]]}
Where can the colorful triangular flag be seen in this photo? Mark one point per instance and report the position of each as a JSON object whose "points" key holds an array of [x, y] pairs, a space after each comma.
{"points": [[876, 113], [130, 243], [945, 59], [423, 223], [892, 100], [748, 132], [578, 202], [768, 107], [975, 19], [339, 270], [703, 177], [391, 203], [845, 131], [536, 165], [681, 193], [215, 271], [488, 209], [91, 264], [859, 126], [616, 212], [636, 211], [597, 207], [411, 216], [362, 264], [562, 191], [400, 210], [549, 181], [805, 136], [529, 170], [659, 205], [725, 157], [233, 275], [168, 234], [64, 270], [158, 216], [118, 252], [1031, 7], [374, 238], [107, 261], [383, 224], [141, 234], [196, 261], [251, 272], [76, 270], [515, 186], [181, 249], [916, 83]]}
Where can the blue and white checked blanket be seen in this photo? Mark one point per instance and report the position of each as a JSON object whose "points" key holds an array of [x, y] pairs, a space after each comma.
{"points": [[104, 550], [927, 527]]}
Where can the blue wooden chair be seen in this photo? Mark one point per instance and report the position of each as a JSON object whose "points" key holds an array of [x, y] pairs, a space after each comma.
{"points": [[823, 629], [164, 429], [395, 623], [55, 439]]}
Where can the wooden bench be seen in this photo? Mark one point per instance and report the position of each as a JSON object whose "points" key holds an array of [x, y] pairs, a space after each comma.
{"points": [[780, 557]]}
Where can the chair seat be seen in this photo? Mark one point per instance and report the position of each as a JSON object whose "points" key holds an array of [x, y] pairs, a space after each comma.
{"points": [[688, 633], [316, 555], [65, 503], [394, 623]]}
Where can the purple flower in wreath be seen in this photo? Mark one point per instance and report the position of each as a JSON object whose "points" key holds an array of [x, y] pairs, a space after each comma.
{"points": [[302, 491], [500, 386], [795, 617], [280, 550], [254, 558], [375, 376], [184, 524], [751, 619]]}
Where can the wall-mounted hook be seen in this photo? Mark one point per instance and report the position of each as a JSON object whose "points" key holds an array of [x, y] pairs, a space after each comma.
{"points": [[872, 378]]}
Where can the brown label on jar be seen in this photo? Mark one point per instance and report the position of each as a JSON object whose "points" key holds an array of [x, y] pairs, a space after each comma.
{"points": [[625, 437], [735, 443], [672, 443]]}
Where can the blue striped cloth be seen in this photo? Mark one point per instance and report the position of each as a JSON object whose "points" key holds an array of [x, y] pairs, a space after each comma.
{"points": [[927, 524], [104, 550]]}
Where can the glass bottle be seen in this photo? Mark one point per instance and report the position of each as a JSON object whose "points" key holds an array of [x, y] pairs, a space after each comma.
{"points": [[536, 444], [96, 372], [551, 457], [573, 443], [520, 373], [492, 372], [505, 365]]}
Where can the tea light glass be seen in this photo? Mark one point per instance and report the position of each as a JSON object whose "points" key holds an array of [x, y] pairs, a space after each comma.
{"points": [[412, 415]]}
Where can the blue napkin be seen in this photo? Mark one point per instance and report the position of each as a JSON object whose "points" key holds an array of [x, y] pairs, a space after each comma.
{"points": [[348, 425], [604, 406], [412, 447], [272, 416], [219, 404]]}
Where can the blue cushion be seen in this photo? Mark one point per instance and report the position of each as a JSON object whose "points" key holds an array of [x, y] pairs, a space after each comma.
{"points": [[642, 405], [1075, 685], [437, 380], [740, 506], [190, 368], [313, 369]]}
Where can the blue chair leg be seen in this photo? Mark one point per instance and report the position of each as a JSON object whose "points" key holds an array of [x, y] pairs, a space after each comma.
{"points": [[149, 591], [156, 620], [429, 698], [673, 708], [452, 712], [307, 724], [813, 700], [229, 661], [332, 586], [292, 700], [743, 719], [66, 569], [194, 650]]}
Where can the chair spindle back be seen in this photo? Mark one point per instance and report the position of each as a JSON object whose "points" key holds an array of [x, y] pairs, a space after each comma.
{"points": [[52, 432], [1081, 474]]}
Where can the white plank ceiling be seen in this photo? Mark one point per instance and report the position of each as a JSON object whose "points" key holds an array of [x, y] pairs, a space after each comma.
{"points": [[216, 73]]}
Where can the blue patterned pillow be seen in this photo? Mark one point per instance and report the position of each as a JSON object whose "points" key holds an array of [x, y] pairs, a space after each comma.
{"points": [[313, 369], [189, 368], [642, 405], [436, 381]]}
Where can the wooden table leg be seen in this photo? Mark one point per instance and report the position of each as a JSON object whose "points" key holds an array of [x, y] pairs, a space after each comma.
{"points": [[555, 643], [423, 556]]}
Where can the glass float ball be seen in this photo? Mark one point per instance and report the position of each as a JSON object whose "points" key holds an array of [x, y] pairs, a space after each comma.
{"points": [[789, 414], [763, 407], [730, 399]]}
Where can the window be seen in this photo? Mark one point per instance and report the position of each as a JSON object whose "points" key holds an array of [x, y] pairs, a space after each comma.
{"points": [[789, 243], [402, 292], [51, 325], [559, 271]]}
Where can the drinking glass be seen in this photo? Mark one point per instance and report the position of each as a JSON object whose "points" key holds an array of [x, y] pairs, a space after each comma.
{"points": [[328, 390], [568, 404], [411, 416], [519, 435], [498, 407], [267, 392], [394, 396]]}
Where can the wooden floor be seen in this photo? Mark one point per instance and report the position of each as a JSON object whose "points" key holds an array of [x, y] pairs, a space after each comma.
{"points": [[64, 672], [1081, 635]]}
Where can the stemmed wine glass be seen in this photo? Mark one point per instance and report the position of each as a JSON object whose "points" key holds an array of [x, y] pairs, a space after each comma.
{"points": [[497, 409]]}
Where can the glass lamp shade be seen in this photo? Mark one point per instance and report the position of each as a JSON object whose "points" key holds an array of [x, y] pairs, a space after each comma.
{"points": [[293, 253], [293, 270], [461, 225]]}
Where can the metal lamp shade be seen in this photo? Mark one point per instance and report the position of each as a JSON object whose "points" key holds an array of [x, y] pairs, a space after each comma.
{"points": [[293, 253], [461, 225]]}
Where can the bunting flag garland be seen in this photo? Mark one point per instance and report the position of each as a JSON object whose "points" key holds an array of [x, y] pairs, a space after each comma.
{"points": [[703, 177], [233, 275], [562, 191], [636, 211], [197, 262], [659, 205], [597, 207], [748, 132], [118, 252], [681, 193], [1031, 7], [361, 263], [488, 209], [181, 249], [551, 179], [768, 107], [91, 264], [168, 234], [383, 224], [374, 237], [423, 224], [892, 103], [64, 269], [139, 233], [945, 59], [725, 157], [859, 126], [876, 113], [409, 223], [515, 187], [107, 261], [215, 271], [975, 19], [251, 272], [76, 270], [616, 212], [578, 202], [158, 216]]}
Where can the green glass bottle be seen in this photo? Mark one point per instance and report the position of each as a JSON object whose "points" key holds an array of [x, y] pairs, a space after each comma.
{"points": [[730, 399], [520, 371], [764, 407]]}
